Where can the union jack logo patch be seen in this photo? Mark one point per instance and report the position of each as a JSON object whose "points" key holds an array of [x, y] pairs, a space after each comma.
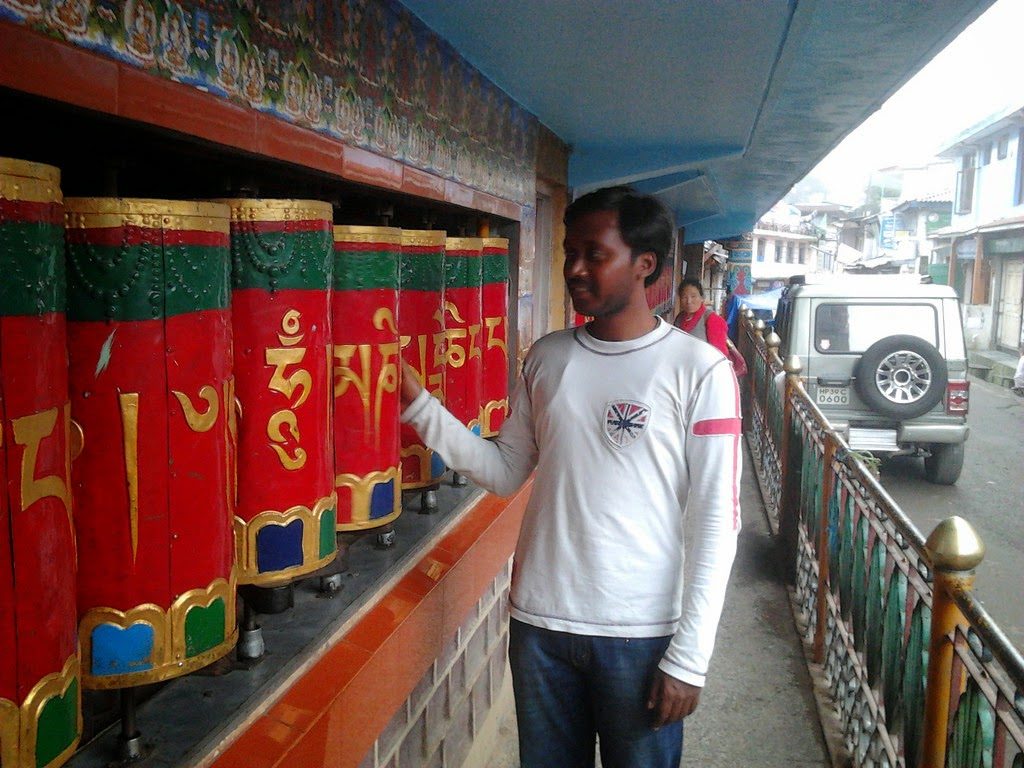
{"points": [[625, 421]]}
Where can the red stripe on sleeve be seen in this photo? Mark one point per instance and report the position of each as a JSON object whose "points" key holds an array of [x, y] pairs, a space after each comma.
{"points": [[718, 427]]}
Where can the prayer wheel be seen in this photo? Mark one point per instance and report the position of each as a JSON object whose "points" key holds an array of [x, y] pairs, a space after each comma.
{"points": [[367, 356], [149, 339], [463, 323], [494, 300], [282, 258], [421, 325], [40, 697]]}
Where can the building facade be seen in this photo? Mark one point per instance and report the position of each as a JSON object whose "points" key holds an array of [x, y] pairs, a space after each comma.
{"points": [[986, 233]]}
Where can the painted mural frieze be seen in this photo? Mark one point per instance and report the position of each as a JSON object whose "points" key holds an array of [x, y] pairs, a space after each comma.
{"points": [[367, 72]]}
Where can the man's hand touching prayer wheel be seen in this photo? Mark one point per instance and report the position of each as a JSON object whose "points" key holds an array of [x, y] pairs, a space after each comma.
{"points": [[411, 386]]}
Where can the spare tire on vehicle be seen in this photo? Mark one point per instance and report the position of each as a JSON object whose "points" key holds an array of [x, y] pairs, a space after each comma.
{"points": [[901, 376]]}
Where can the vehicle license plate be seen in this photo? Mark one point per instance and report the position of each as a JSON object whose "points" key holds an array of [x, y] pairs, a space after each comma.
{"points": [[833, 396]]}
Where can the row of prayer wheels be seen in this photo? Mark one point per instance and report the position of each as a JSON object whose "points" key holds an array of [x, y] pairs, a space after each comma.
{"points": [[196, 396]]}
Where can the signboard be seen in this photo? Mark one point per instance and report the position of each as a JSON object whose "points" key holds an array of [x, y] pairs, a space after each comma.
{"points": [[937, 220], [887, 230], [1004, 244]]}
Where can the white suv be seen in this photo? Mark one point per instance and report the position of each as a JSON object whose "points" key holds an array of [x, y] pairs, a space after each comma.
{"points": [[884, 359]]}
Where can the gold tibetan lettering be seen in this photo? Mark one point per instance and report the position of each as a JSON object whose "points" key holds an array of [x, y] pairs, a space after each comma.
{"points": [[281, 359], [277, 421], [30, 431], [291, 327], [493, 324], [200, 422], [345, 375], [129, 404]]}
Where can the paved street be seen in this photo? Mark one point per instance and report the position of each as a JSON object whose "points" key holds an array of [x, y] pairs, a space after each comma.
{"points": [[990, 494]]}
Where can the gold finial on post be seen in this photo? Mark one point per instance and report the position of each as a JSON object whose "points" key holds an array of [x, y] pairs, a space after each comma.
{"points": [[954, 545], [759, 327], [772, 340], [793, 366], [955, 550]]}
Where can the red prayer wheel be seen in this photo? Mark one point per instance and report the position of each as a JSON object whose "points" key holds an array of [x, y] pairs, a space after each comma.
{"points": [[149, 337], [494, 396], [421, 324], [367, 356], [463, 323], [282, 255], [40, 713]]}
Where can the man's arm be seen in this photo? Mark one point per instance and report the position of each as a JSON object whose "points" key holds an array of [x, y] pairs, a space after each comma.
{"points": [[713, 465], [501, 465]]}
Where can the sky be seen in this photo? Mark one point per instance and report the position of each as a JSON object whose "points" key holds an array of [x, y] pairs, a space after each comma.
{"points": [[976, 75]]}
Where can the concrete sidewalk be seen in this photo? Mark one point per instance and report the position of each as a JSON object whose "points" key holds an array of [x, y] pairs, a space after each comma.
{"points": [[758, 708]]}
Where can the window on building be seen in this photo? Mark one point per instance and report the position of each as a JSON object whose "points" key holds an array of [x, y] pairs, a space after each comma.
{"points": [[803, 253], [965, 184], [1018, 187], [985, 153], [760, 250], [1003, 147]]}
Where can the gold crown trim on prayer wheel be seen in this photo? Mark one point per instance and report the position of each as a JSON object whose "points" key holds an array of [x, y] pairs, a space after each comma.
{"points": [[424, 237], [354, 233], [26, 169], [104, 212], [258, 209], [496, 242], [464, 244], [28, 190]]}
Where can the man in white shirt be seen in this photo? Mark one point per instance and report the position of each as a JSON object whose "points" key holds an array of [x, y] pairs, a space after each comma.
{"points": [[630, 425]]}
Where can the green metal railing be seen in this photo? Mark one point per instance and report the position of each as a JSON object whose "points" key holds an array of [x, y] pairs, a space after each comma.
{"points": [[919, 675]]}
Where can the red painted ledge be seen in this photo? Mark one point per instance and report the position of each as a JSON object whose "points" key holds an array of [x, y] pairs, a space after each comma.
{"points": [[31, 62], [332, 714]]}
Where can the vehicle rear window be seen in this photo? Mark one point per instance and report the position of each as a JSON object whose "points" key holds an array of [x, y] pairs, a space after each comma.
{"points": [[846, 328]]}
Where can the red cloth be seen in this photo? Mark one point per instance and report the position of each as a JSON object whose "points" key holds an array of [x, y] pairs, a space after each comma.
{"points": [[717, 330]]}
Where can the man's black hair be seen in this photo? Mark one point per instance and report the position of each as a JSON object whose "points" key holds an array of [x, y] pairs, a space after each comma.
{"points": [[690, 281], [645, 224]]}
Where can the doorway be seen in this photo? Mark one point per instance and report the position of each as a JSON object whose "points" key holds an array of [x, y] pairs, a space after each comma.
{"points": [[1011, 296]]}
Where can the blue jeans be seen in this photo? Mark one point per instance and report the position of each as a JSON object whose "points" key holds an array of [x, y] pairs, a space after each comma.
{"points": [[571, 688]]}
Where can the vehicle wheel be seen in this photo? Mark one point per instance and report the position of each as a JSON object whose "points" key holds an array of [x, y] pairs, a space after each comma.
{"points": [[944, 465], [901, 376]]}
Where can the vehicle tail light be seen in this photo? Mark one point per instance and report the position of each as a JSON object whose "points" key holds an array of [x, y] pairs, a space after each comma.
{"points": [[958, 397]]}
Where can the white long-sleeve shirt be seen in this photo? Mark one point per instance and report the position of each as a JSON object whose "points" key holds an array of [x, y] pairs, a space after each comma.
{"points": [[625, 438]]}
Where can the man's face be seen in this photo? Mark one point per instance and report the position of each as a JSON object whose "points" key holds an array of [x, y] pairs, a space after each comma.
{"points": [[600, 271]]}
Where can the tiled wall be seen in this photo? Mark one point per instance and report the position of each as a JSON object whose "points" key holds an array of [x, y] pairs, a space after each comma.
{"points": [[445, 712]]}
